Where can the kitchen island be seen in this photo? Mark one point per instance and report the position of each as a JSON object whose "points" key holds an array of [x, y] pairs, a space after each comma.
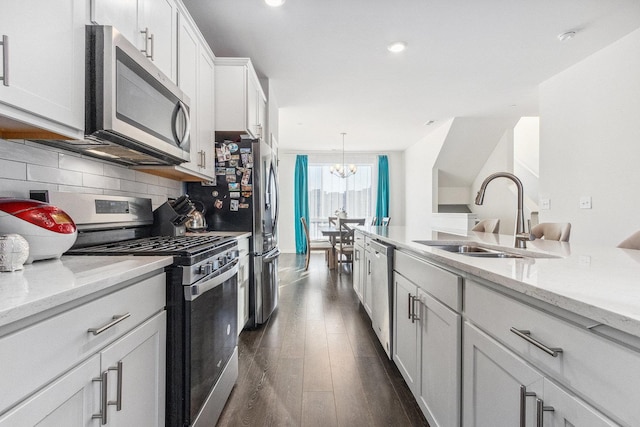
{"points": [[551, 332]]}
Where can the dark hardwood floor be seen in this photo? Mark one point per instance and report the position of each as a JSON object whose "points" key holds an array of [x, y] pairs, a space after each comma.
{"points": [[317, 362]]}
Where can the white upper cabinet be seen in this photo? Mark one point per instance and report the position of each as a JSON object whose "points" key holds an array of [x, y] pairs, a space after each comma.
{"points": [[149, 24], [42, 64], [241, 104]]}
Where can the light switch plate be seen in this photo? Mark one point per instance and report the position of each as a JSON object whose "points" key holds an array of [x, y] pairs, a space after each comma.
{"points": [[585, 202], [545, 204]]}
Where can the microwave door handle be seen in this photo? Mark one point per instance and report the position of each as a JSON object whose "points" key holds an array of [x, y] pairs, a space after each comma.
{"points": [[187, 128]]}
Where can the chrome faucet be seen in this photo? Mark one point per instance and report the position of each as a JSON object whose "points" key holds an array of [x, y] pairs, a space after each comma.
{"points": [[521, 236]]}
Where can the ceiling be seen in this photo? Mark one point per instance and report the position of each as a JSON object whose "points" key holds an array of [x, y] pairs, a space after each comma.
{"points": [[330, 71]]}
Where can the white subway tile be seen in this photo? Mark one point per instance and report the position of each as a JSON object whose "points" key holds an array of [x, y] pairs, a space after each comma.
{"points": [[117, 171], [13, 170], [98, 181], [79, 189], [53, 175], [147, 178], [134, 187], [81, 164], [15, 188], [21, 152]]}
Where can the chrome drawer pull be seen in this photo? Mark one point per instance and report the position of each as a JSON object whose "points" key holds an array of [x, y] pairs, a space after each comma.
{"points": [[409, 296], [102, 415], [115, 321], [540, 409], [526, 335], [414, 316], [523, 404], [5, 60]]}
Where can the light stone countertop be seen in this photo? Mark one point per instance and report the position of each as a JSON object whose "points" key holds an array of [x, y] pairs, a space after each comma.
{"points": [[48, 284], [599, 283]]}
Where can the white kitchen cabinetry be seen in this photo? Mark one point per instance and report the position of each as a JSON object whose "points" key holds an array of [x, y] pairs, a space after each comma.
{"points": [[367, 282], [427, 336], [241, 105], [196, 79], [243, 283], [43, 80], [568, 356], [57, 367], [149, 24]]}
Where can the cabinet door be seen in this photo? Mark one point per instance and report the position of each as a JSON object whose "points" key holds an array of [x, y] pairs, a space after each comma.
{"points": [[138, 359], [70, 401], [121, 14], [252, 105], [262, 117], [243, 292], [205, 144], [492, 381], [45, 59], [568, 410], [438, 391], [188, 78], [405, 330], [159, 17]]}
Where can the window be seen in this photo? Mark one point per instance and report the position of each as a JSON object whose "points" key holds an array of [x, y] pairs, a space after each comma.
{"points": [[329, 193]]}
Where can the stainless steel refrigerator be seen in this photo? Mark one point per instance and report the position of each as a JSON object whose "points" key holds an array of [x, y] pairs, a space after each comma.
{"points": [[245, 198]]}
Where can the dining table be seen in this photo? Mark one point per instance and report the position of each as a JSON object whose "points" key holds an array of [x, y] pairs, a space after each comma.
{"points": [[332, 232]]}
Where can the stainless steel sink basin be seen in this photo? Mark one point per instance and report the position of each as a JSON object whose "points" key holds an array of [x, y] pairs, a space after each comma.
{"points": [[469, 250]]}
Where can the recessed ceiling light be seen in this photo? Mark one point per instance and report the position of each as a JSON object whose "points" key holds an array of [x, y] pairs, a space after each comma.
{"points": [[566, 36], [396, 47], [429, 123], [274, 3]]}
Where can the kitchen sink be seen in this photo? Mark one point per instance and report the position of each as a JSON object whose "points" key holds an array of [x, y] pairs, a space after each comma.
{"points": [[469, 250]]}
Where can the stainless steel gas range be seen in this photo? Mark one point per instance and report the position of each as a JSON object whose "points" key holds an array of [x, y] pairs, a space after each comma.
{"points": [[202, 355]]}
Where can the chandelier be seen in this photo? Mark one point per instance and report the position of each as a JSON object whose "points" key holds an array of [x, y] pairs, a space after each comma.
{"points": [[340, 170]]}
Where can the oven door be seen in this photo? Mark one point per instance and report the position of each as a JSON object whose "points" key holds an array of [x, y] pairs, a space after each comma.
{"points": [[211, 327]]}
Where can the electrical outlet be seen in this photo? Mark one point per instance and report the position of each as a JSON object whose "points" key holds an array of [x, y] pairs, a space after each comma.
{"points": [[585, 202], [545, 204]]}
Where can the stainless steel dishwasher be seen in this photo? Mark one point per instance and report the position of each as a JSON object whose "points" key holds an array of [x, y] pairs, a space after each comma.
{"points": [[380, 265]]}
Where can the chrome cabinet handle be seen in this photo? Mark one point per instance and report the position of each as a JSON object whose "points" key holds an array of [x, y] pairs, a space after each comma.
{"points": [[523, 404], [526, 335], [409, 307], [102, 415], [152, 46], [146, 42], [540, 410], [118, 402], [116, 319], [414, 316], [5, 60]]}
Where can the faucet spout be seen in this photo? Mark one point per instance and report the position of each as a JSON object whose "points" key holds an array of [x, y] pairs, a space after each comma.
{"points": [[521, 236]]}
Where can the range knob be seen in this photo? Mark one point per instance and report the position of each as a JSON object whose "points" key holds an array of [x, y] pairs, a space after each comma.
{"points": [[205, 269], [216, 263]]}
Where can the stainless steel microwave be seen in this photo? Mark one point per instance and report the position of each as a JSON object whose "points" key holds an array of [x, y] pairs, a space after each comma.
{"points": [[134, 114]]}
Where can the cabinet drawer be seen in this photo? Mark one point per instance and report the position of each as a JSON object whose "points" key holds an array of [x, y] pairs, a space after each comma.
{"points": [[602, 372], [243, 246], [440, 283], [35, 355], [359, 238]]}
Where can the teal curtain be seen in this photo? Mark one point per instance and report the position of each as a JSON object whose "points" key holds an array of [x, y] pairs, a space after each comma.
{"points": [[301, 201], [382, 198]]}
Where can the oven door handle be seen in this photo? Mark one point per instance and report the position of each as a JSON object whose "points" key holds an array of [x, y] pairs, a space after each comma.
{"points": [[192, 292]]}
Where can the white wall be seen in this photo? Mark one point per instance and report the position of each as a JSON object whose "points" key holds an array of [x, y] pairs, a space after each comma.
{"points": [[590, 144], [421, 183], [286, 234], [28, 166]]}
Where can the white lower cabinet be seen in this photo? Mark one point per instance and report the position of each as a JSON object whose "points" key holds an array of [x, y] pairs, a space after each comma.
{"points": [[427, 342], [501, 389], [358, 269], [102, 362]]}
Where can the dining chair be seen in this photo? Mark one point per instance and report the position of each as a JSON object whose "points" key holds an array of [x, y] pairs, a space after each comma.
{"points": [[385, 221], [344, 249], [631, 242], [552, 231], [315, 245], [487, 226]]}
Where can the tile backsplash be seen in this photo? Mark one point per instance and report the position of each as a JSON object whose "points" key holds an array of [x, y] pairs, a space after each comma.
{"points": [[25, 166]]}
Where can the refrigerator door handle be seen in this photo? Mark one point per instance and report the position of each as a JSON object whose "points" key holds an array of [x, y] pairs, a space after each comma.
{"points": [[270, 255]]}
